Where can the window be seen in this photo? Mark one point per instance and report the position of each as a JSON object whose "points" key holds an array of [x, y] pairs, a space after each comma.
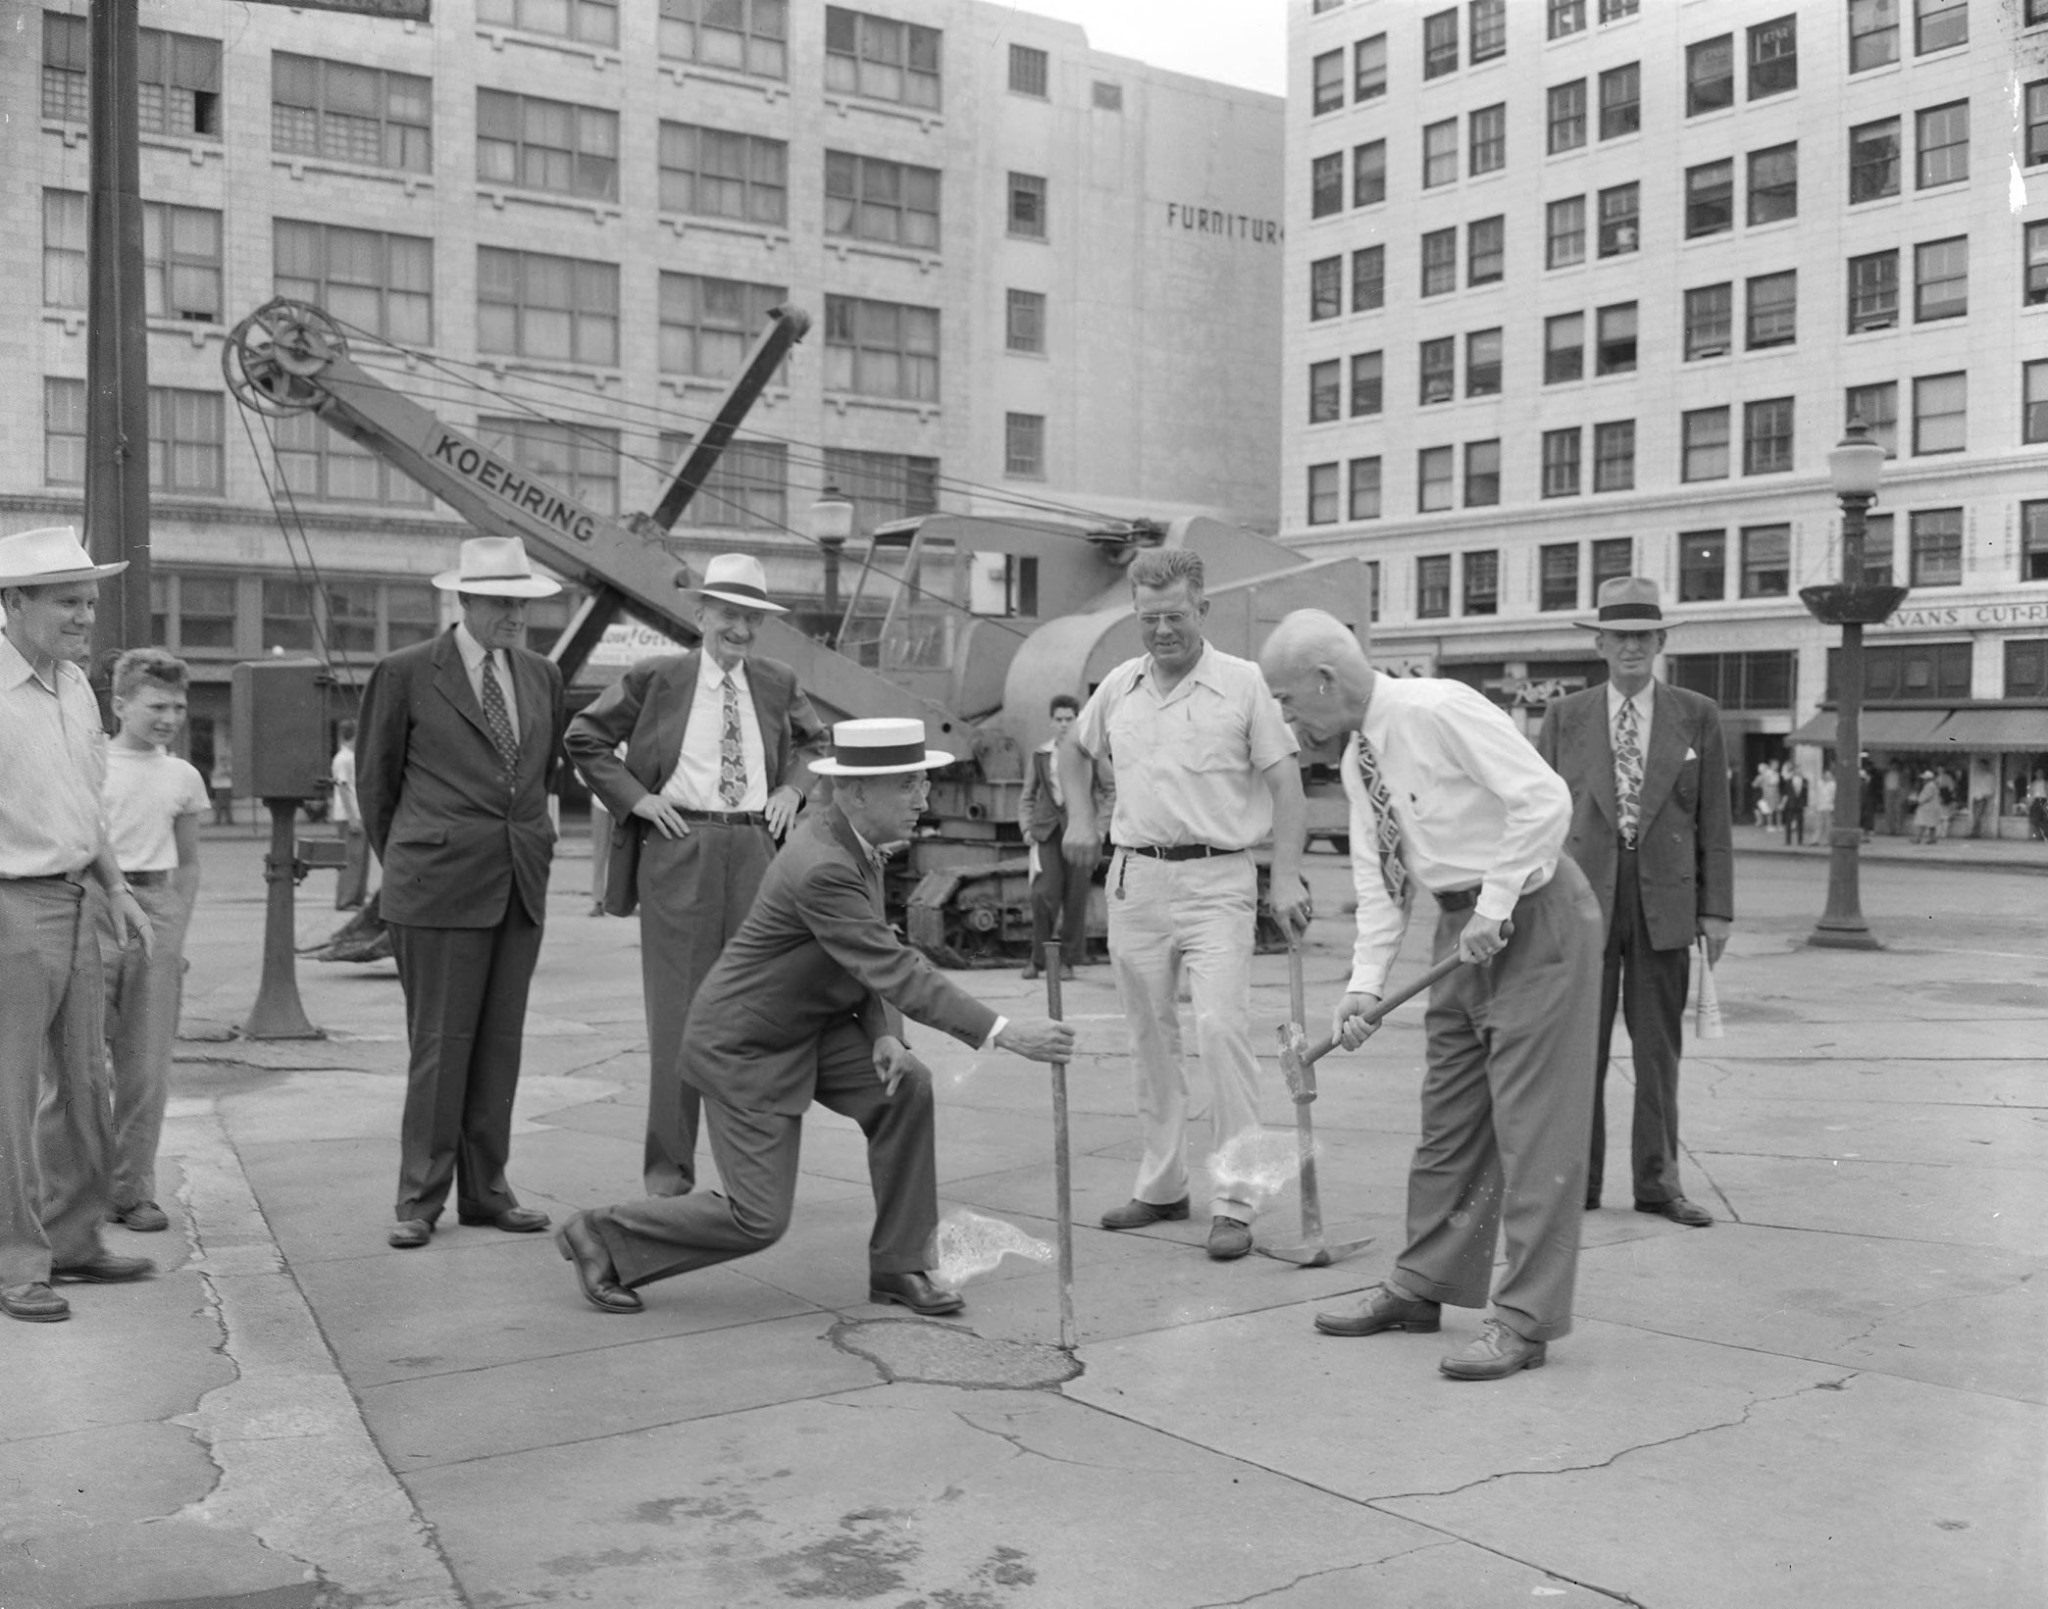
{"points": [[1433, 473], [1761, 679], [1710, 75], [1766, 561], [1940, 25], [1621, 100], [1940, 405], [1614, 351], [1024, 444], [1439, 262], [64, 224], [1613, 556], [1916, 670], [1368, 383], [1709, 198], [577, 459], [2037, 123], [67, 53], [1440, 44], [708, 325], [743, 36], [1878, 407], [1326, 185], [1561, 462], [1489, 30], [1935, 546], [1874, 291], [1438, 367], [1108, 97], [1774, 184], [1029, 70], [1325, 391], [1372, 589], [1877, 550], [1369, 173], [562, 309], [1873, 33], [1567, 116], [1485, 250], [177, 89], [1944, 145], [1482, 363], [1773, 310], [1482, 480], [1365, 488], [1369, 68], [1368, 278], [1433, 587], [1614, 456], [1024, 324], [1941, 279], [1773, 57], [2026, 665], [351, 608], [1704, 434], [341, 112], [535, 144], [1615, 10], [1482, 581], [891, 202], [1326, 74], [1027, 205], [1440, 153], [380, 283], [1322, 494], [883, 486], [881, 349], [1566, 17], [2035, 240], [2033, 563], [288, 615], [2034, 402], [1326, 287], [709, 173], [1702, 566], [1564, 232], [881, 59], [206, 611], [64, 432], [1564, 347], [1557, 576], [1488, 139], [1874, 160], [1620, 210], [591, 22], [317, 461], [187, 436], [1767, 437], [1709, 321]]}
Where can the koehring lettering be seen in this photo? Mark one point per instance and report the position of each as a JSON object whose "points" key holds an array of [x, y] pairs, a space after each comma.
{"points": [[1215, 221], [473, 464]]}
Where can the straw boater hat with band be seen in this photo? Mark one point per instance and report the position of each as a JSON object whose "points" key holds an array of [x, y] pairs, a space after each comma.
{"points": [[879, 746], [738, 578], [42, 558], [1628, 603], [496, 567]]}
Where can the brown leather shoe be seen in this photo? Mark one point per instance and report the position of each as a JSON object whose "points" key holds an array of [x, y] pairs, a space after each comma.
{"points": [[513, 1220], [1679, 1211], [1228, 1239], [914, 1291], [579, 1242], [1137, 1214], [409, 1234], [1383, 1309], [1498, 1353], [34, 1303], [104, 1268]]}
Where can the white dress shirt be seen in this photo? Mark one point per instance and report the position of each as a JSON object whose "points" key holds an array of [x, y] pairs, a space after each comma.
{"points": [[694, 783], [53, 763], [1476, 804], [473, 655]]}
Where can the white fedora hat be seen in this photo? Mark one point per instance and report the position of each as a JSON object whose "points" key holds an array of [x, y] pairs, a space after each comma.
{"points": [[879, 746], [738, 578], [1628, 603], [44, 557], [496, 567]]}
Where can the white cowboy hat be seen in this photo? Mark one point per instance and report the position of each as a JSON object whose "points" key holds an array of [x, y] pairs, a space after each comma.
{"points": [[738, 578], [44, 557], [879, 746], [496, 567], [1628, 603]]}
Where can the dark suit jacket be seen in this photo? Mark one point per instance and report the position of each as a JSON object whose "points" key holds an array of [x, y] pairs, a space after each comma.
{"points": [[456, 843], [814, 954], [1684, 850], [647, 709]]}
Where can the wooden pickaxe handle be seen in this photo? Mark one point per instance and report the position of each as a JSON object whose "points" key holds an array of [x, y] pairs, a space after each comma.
{"points": [[1321, 1046]]}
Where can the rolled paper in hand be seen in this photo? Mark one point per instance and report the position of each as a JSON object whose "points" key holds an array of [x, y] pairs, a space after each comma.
{"points": [[1706, 1021]]}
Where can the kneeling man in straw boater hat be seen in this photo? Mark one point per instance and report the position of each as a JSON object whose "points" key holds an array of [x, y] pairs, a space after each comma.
{"points": [[806, 1004]]}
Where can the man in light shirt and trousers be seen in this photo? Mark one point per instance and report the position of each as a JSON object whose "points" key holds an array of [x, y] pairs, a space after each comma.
{"points": [[1202, 766], [352, 886], [1450, 805]]}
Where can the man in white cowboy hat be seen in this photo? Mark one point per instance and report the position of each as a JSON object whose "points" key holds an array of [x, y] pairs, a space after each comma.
{"points": [[457, 740], [1648, 770], [806, 1004], [53, 845], [711, 776]]}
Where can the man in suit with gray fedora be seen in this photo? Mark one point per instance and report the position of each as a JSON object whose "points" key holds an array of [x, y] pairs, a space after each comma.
{"points": [[1648, 772], [711, 776], [457, 742]]}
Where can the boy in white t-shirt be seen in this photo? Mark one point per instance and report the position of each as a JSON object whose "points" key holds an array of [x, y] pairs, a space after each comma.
{"points": [[153, 802]]}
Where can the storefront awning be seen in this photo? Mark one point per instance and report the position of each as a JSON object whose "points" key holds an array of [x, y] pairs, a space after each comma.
{"points": [[1879, 729], [1994, 731]]}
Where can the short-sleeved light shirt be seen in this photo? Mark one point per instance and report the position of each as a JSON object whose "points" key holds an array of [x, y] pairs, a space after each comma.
{"points": [[1188, 762], [52, 761], [145, 795]]}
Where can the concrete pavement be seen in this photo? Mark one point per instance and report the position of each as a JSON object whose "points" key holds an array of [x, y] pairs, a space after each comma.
{"points": [[1833, 1397]]}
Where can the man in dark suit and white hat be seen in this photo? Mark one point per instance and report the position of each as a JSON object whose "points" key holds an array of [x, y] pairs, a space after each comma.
{"points": [[806, 1004], [1648, 771], [458, 739]]}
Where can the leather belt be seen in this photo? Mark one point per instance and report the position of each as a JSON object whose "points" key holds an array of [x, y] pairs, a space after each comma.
{"points": [[1456, 899], [146, 879], [1176, 851], [729, 818], [77, 879]]}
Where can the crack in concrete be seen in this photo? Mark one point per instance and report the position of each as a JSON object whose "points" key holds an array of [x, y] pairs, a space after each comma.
{"points": [[1314, 1575], [1016, 1440]]}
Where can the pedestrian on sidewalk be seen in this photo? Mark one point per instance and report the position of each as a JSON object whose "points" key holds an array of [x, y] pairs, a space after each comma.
{"points": [[56, 865], [1824, 810], [222, 781], [1793, 804], [352, 886], [1058, 895], [1894, 799], [805, 1003], [1203, 767], [1983, 797], [1448, 798], [2037, 807], [1927, 809]]}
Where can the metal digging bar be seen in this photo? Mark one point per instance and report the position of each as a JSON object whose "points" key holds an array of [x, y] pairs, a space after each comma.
{"points": [[1063, 1164]]}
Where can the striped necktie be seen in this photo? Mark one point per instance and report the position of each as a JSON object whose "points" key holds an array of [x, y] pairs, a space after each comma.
{"points": [[1393, 870]]}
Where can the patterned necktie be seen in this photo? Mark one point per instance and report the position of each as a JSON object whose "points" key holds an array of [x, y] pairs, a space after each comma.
{"points": [[732, 753], [1628, 770], [498, 717], [1393, 870]]}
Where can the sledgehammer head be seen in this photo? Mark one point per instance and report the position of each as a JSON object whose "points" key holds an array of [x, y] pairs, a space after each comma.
{"points": [[1296, 1063]]}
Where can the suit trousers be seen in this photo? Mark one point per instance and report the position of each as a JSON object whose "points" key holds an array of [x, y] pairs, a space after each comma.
{"points": [[1059, 892], [757, 1154], [54, 1112], [694, 892], [1650, 987], [143, 994], [465, 1016], [1505, 1105]]}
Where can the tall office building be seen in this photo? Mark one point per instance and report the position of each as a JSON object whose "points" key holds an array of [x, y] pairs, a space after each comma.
{"points": [[1585, 288]]}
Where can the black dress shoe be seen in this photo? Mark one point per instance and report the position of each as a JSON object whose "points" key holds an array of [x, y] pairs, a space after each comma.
{"points": [[513, 1220], [1679, 1211], [914, 1291], [104, 1269], [1136, 1214], [34, 1303], [581, 1244], [409, 1234]]}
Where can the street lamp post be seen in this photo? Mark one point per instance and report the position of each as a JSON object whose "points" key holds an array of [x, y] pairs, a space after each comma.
{"points": [[1854, 468], [831, 525]]}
